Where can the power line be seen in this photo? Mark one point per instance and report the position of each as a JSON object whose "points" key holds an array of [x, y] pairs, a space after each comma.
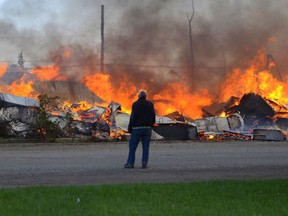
{"points": [[120, 65]]}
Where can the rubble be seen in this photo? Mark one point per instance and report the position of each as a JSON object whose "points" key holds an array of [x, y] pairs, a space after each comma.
{"points": [[7, 100], [268, 134], [218, 124], [252, 104], [250, 118], [217, 109], [175, 126], [176, 131], [226, 135], [217, 128], [250, 113]]}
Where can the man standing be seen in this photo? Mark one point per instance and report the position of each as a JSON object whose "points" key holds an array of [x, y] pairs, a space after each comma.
{"points": [[142, 119]]}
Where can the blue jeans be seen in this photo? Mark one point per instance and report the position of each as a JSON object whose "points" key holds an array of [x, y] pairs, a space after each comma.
{"points": [[145, 135]]}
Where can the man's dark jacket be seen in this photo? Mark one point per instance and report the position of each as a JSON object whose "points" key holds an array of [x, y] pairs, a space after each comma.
{"points": [[143, 114]]}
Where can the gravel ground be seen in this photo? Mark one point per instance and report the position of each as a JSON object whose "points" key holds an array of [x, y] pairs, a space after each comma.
{"points": [[29, 164]]}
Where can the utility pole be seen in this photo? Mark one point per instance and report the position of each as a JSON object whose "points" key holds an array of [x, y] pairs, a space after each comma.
{"points": [[102, 38], [21, 60]]}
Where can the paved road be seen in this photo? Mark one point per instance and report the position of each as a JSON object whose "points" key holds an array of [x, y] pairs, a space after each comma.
{"points": [[102, 163]]}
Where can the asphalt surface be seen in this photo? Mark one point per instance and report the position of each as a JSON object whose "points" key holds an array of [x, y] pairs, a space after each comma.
{"points": [[27, 164]]}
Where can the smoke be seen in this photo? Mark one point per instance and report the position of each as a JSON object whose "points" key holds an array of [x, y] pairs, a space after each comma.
{"points": [[146, 41], [226, 34]]}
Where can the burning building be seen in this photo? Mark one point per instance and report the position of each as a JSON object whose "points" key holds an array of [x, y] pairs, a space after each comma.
{"points": [[234, 56], [102, 118]]}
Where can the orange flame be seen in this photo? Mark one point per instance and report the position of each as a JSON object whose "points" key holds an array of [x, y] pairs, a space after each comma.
{"points": [[47, 73], [101, 85], [82, 105], [22, 88], [177, 97], [3, 69], [255, 79]]}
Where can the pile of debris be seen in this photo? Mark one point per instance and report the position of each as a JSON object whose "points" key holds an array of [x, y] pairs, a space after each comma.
{"points": [[251, 117], [19, 116], [257, 114]]}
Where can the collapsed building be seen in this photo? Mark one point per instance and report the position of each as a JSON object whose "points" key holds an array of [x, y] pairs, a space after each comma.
{"points": [[261, 118], [251, 117]]}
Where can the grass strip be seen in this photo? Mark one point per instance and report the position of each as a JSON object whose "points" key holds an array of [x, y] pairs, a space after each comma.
{"points": [[251, 197]]}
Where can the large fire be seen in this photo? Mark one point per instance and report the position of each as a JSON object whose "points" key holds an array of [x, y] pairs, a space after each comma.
{"points": [[100, 84], [22, 88], [255, 79], [176, 96], [47, 73]]}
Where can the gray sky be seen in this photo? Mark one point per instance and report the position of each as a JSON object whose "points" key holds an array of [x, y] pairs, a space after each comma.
{"points": [[37, 26]]}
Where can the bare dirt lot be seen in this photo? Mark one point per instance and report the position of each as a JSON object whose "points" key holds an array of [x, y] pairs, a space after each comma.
{"points": [[29, 164]]}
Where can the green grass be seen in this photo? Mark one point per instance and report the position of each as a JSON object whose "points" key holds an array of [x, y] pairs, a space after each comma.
{"points": [[264, 197]]}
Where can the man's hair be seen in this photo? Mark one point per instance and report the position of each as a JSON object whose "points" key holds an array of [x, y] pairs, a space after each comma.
{"points": [[142, 94]]}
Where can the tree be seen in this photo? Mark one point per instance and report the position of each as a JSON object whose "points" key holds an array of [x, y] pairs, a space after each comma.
{"points": [[45, 128], [192, 60]]}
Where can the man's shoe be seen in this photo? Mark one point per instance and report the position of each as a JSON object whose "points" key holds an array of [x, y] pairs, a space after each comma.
{"points": [[144, 166], [128, 166]]}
